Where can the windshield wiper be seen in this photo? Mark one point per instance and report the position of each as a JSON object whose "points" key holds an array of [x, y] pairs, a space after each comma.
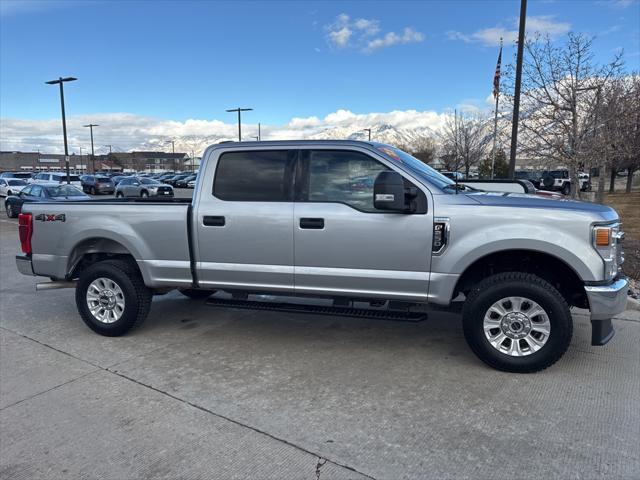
{"points": [[457, 186]]}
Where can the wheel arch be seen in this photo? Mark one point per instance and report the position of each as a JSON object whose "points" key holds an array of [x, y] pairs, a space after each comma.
{"points": [[547, 266], [95, 249]]}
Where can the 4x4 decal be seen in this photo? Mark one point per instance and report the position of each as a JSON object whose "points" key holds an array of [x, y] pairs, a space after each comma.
{"points": [[51, 217]]}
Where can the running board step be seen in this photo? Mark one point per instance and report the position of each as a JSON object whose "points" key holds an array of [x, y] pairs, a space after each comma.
{"points": [[395, 316]]}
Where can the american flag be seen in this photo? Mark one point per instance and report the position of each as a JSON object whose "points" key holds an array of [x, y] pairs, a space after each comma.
{"points": [[496, 77]]}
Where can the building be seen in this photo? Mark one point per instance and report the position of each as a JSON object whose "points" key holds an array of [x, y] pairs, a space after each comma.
{"points": [[37, 162], [116, 161]]}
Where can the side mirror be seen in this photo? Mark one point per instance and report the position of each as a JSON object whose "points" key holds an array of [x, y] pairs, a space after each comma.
{"points": [[389, 192]]}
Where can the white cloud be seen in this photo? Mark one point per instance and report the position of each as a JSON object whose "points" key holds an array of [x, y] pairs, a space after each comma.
{"points": [[490, 37], [361, 34], [125, 131], [408, 36]]}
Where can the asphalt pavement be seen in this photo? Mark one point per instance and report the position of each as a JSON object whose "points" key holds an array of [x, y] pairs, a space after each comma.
{"points": [[209, 392]]}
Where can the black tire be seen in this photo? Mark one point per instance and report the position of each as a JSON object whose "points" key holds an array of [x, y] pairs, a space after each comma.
{"points": [[566, 188], [137, 297], [195, 294], [144, 194], [9, 209], [92, 190], [499, 286], [119, 195]]}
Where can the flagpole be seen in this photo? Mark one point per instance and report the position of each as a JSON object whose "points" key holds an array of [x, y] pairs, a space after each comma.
{"points": [[495, 123]]}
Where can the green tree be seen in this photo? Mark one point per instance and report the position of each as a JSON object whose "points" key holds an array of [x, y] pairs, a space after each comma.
{"points": [[501, 167]]}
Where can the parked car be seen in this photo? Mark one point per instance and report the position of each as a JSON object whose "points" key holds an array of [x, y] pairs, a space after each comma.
{"points": [[558, 180], [281, 217], [532, 176], [42, 193], [176, 178], [184, 181], [56, 177], [192, 183], [11, 186], [97, 184], [143, 187], [118, 178], [22, 175]]}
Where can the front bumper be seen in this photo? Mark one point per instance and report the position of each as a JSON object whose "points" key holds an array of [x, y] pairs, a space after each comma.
{"points": [[24, 265], [605, 302]]}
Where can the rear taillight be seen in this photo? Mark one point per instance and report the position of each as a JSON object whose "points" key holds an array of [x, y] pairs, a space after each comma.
{"points": [[25, 231]]}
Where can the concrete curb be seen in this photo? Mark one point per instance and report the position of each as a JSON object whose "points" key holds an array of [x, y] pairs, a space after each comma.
{"points": [[633, 304]]}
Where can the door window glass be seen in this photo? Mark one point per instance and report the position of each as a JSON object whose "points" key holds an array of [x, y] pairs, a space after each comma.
{"points": [[343, 176], [254, 176]]}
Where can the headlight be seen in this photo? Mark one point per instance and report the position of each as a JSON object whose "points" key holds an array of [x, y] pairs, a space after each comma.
{"points": [[606, 240], [152, 189]]}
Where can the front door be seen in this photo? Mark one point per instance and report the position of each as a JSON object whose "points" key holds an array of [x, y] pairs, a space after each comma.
{"points": [[343, 245], [244, 225]]}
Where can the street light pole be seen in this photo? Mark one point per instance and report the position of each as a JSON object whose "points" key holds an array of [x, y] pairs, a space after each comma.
{"points": [[239, 119], [369, 131], [61, 81], [93, 160]]}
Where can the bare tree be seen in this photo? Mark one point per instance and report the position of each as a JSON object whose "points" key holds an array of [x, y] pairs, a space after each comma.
{"points": [[465, 141], [560, 91], [423, 148]]}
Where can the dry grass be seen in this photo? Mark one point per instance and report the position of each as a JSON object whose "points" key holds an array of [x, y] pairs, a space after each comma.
{"points": [[628, 207]]}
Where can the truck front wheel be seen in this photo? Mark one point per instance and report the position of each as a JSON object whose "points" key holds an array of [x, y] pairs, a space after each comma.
{"points": [[112, 298], [517, 322]]}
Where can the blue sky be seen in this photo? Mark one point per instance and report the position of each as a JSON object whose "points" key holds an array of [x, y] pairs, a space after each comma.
{"points": [[192, 60]]}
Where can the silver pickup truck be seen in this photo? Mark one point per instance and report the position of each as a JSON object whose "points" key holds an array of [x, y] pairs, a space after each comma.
{"points": [[344, 221]]}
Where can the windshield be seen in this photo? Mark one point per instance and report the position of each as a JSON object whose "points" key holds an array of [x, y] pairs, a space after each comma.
{"points": [[64, 191], [148, 181], [18, 175], [415, 166], [63, 178], [17, 183]]}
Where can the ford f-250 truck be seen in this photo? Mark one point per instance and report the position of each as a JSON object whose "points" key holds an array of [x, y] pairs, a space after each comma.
{"points": [[348, 221]]}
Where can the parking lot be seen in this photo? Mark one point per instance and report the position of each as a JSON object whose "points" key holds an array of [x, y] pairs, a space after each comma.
{"points": [[207, 392]]}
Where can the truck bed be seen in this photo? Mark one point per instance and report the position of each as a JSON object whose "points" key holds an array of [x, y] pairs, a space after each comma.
{"points": [[155, 232]]}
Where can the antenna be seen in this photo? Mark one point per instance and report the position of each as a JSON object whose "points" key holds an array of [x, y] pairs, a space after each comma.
{"points": [[455, 133]]}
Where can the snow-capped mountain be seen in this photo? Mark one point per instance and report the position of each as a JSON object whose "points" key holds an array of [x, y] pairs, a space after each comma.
{"points": [[383, 133]]}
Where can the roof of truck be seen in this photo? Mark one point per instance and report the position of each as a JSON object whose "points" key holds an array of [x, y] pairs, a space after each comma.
{"points": [[295, 142]]}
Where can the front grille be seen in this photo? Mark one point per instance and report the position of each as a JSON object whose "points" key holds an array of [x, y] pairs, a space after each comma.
{"points": [[162, 190]]}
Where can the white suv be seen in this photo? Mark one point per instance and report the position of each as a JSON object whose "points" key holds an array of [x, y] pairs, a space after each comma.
{"points": [[56, 177]]}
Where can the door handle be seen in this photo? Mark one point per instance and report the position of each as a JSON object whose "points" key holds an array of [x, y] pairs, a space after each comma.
{"points": [[312, 223], [213, 221]]}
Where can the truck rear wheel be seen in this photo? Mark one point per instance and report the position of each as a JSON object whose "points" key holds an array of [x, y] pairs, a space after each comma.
{"points": [[517, 322], [196, 294], [112, 298]]}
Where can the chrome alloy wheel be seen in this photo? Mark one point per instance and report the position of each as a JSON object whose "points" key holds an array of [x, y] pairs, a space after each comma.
{"points": [[105, 300], [516, 326]]}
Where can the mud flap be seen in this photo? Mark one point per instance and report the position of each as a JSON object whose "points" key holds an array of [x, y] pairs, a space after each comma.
{"points": [[601, 332]]}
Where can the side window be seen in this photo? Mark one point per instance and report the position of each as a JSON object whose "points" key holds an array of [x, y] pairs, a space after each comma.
{"points": [[124, 183], [36, 191], [2, 182], [254, 176], [27, 190], [342, 176]]}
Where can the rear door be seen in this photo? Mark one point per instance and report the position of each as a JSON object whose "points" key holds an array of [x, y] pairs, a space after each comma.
{"points": [[343, 245], [244, 222]]}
